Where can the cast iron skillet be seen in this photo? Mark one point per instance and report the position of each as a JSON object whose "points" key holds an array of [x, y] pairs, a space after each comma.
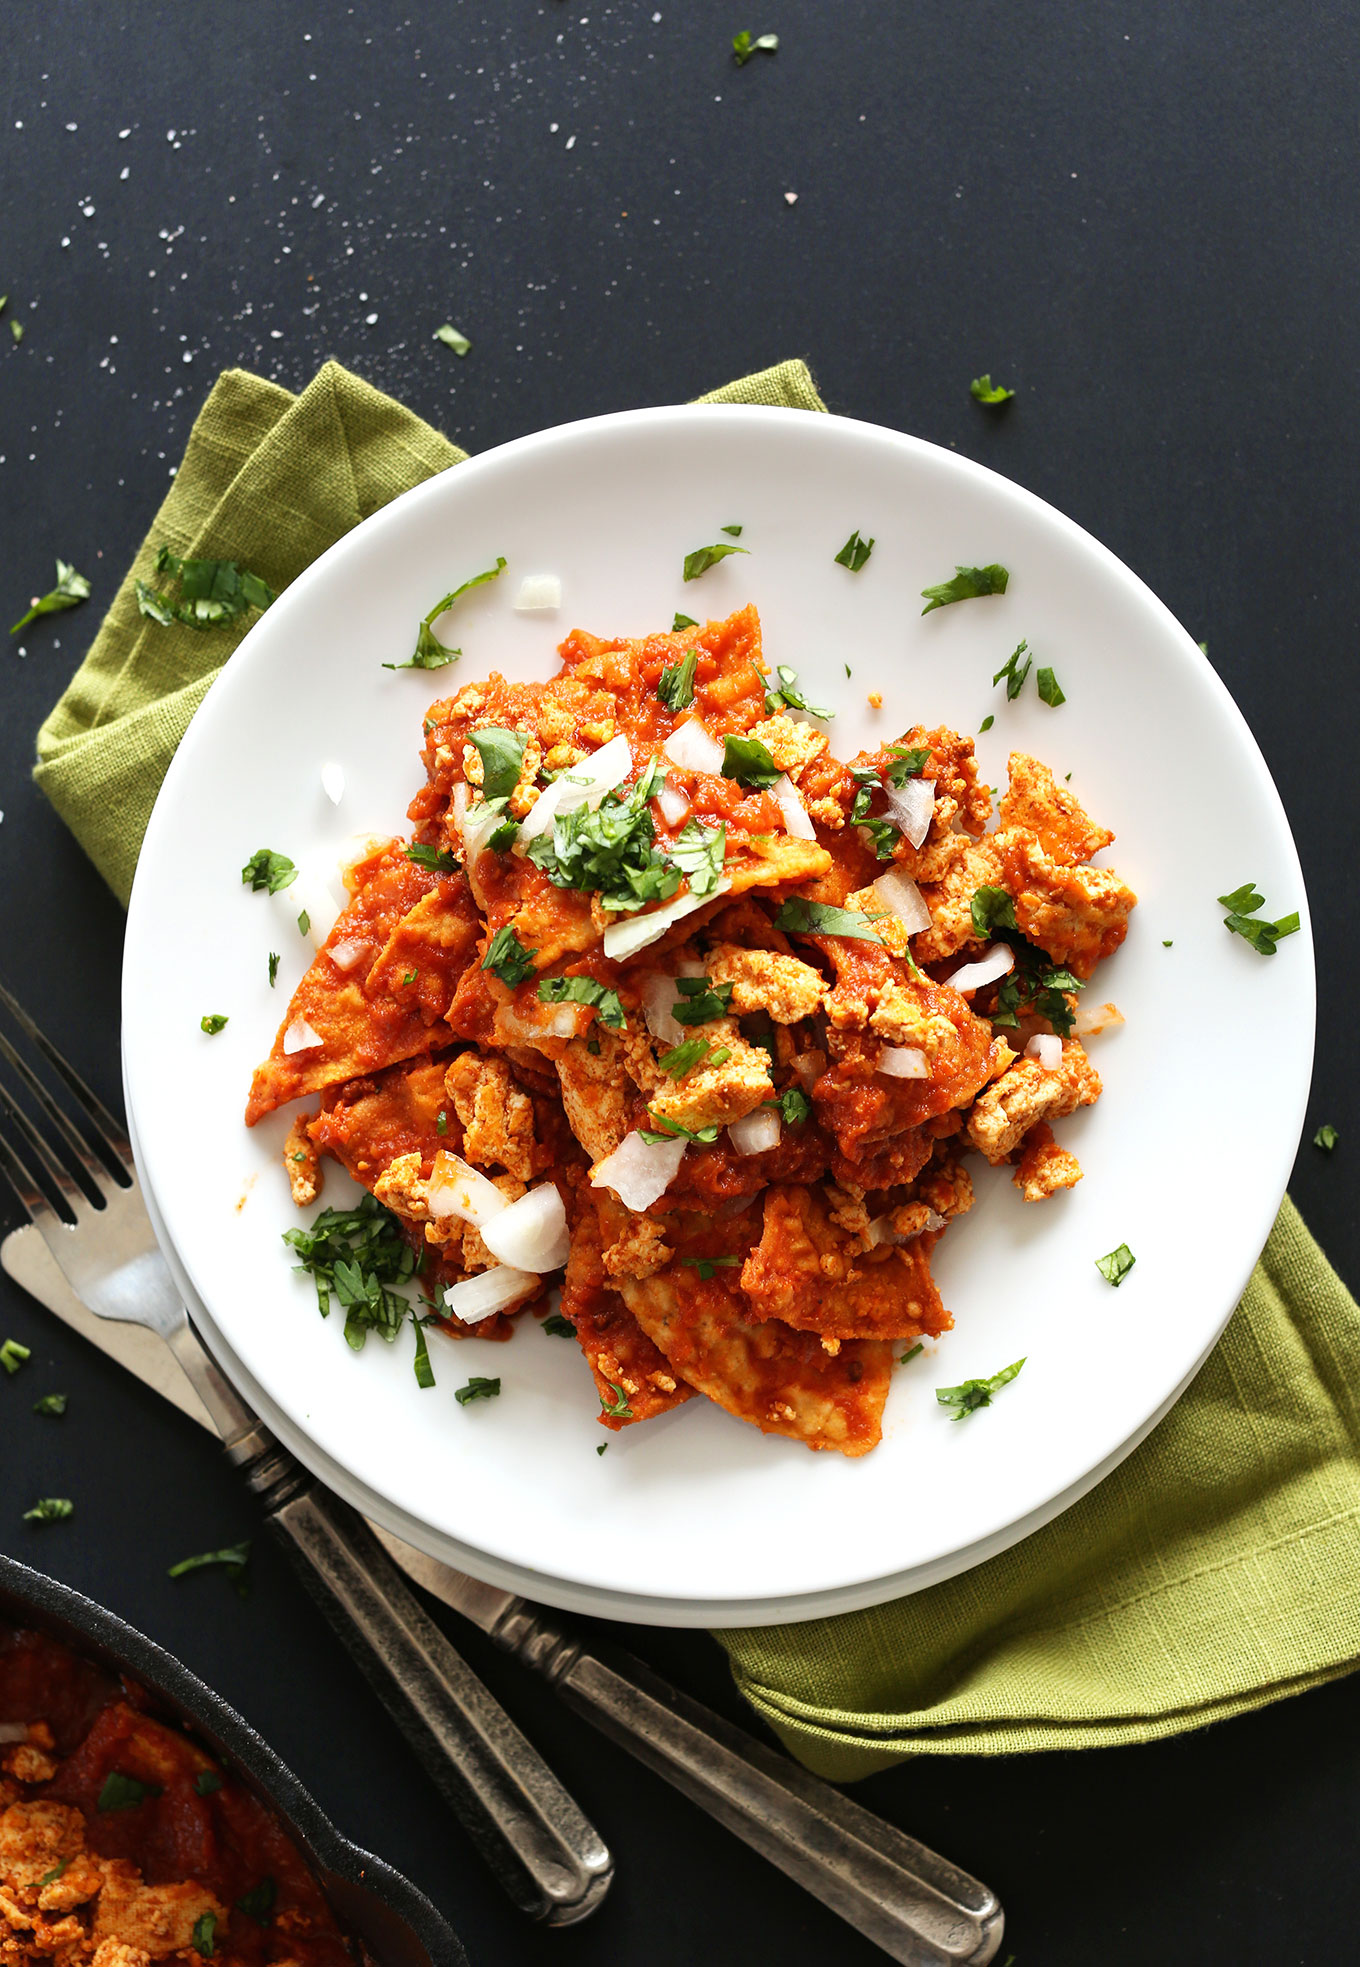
{"points": [[396, 1923]]}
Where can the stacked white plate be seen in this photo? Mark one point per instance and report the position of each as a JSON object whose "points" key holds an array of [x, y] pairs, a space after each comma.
{"points": [[696, 1519]]}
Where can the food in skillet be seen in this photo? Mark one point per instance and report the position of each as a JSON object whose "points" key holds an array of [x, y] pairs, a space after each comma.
{"points": [[665, 995], [123, 1842]]}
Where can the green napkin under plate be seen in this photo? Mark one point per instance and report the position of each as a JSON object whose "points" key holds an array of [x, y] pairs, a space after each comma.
{"points": [[1212, 1572]]}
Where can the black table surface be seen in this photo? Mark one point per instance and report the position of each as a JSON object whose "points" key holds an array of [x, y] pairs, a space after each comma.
{"points": [[1144, 220]]}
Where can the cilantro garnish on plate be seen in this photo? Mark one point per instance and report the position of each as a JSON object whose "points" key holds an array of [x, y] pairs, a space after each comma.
{"points": [[972, 1394], [430, 652], [968, 584], [854, 554], [1243, 920]]}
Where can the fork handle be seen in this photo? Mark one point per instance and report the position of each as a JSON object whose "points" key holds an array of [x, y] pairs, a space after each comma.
{"points": [[546, 1854]]}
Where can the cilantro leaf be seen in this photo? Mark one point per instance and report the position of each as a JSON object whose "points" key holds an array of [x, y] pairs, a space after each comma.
{"points": [[122, 1792], [707, 1266], [620, 1409], [205, 1927], [672, 1130], [993, 909], [675, 687], [1116, 1266], [213, 1023], [1050, 691], [682, 622], [609, 851], [49, 1509], [1014, 672], [430, 652], [967, 584], [1326, 1137], [794, 1106], [803, 918], [207, 1782], [907, 764], [502, 756], [735, 531], [71, 589], [704, 557], [986, 724], [436, 859], [451, 338], [1244, 900], [699, 852], [973, 1394], [983, 390], [508, 959], [424, 1371], [273, 968], [258, 1902], [743, 47], [791, 695], [1242, 921], [51, 1404], [266, 869], [356, 1255], [585, 990], [748, 761], [234, 1560], [477, 1388], [683, 1058], [854, 553], [211, 592], [918, 1347], [700, 1001], [304, 924], [558, 1327]]}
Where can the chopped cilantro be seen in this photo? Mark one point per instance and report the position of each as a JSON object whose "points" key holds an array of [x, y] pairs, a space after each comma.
{"points": [[211, 592], [207, 1782], [558, 1326], [1050, 690], [699, 852], [601, 1447], [16, 329], [706, 1266], [620, 1410], [610, 851], [1035, 985], [1263, 936], [273, 968], [13, 1355], [854, 554], [508, 959], [214, 1022], [266, 869], [122, 1792], [735, 531], [993, 909], [49, 1509], [983, 390], [704, 557], [477, 1388], [794, 1106], [1326, 1137], [357, 1254], [918, 1347], [502, 756], [430, 652], [968, 583], [51, 1404], [424, 1371], [51, 1877], [1116, 1266], [71, 588], [585, 990], [437, 859], [441, 1122], [258, 1902], [304, 924], [803, 918], [451, 338], [234, 1560], [743, 47], [986, 724], [791, 695], [675, 686], [1014, 671], [681, 1060], [682, 622], [748, 761], [205, 1926], [672, 1130], [409, 978], [973, 1394], [907, 764], [700, 1001]]}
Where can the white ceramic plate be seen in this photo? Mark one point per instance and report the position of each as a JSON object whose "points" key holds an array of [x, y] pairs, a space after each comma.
{"points": [[1186, 1156]]}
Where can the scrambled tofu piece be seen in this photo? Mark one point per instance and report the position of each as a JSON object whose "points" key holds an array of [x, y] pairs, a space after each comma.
{"points": [[1044, 1167], [36, 1837], [640, 1249], [945, 1184], [28, 1762], [948, 874], [1035, 803], [403, 1188], [720, 1090], [159, 1919], [301, 1162], [762, 981], [1076, 914], [117, 1953], [496, 1116], [1028, 1093], [901, 1017], [594, 1092], [791, 745]]}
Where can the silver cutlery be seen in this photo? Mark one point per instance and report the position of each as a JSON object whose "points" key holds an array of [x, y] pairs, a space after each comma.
{"points": [[921, 1910]]}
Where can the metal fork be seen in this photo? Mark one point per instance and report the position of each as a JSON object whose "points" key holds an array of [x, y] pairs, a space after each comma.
{"points": [[79, 1189]]}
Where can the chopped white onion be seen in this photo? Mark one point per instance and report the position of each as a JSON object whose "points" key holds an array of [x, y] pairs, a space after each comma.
{"points": [[349, 952], [809, 1067], [458, 1190], [904, 1062], [992, 963], [1092, 1018], [912, 807], [639, 1171], [538, 594], [659, 996], [300, 1037], [333, 782], [693, 748], [476, 823], [1046, 1048], [756, 1132], [900, 895], [532, 1233], [791, 806], [489, 1291], [624, 939], [881, 1228], [672, 802], [312, 895], [582, 784], [13, 1731], [562, 1022]]}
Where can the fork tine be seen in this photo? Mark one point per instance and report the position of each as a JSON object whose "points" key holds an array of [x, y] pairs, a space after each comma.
{"points": [[110, 1134], [72, 1195], [98, 1175], [32, 1200]]}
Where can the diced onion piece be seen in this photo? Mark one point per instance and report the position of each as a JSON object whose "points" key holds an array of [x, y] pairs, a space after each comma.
{"points": [[458, 1190], [312, 895], [532, 1233], [881, 1228], [756, 1133], [809, 1067], [992, 963], [349, 952], [795, 813], [900, 895], [300, 1037], [538, 593], [639, 1171], [489, 1291], [476, 824], [582, 784], [1092, 1018], [563, 1021], [333, 782], [13, 1731], [624, 939], [659, 997], [693, 748], [672, 802], [904, 1062], [1046, 1048], [912, 807]]}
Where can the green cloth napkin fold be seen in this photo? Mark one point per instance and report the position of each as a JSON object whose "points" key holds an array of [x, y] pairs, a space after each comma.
{"points": [[1212, 1572]]}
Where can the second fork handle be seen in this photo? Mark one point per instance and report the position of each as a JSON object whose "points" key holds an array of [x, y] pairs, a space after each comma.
{"points": [[545, 1852]]}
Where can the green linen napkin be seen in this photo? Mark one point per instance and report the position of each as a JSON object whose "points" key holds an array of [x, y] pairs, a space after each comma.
{"points": [[1212, 1572]]}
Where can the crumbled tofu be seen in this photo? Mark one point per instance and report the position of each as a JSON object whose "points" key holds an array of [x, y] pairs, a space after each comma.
{"points": [[762, 981], [714, 1095], [1044, 1168], [791, 745], [403, 1189], [902, 1019], [593, 1092], [1036, 802], [302, 1162], [159, 1919], [640, 1251], [1011, 1105], [497, 1117]]}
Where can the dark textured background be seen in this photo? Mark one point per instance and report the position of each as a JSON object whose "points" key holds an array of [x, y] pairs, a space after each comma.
{"points": [[1142, 218]]}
